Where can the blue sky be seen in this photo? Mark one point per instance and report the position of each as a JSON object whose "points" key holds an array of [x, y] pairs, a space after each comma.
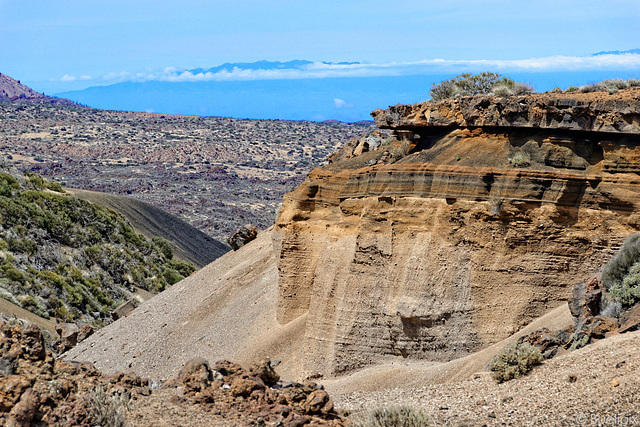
{"points": [[57, 45]]}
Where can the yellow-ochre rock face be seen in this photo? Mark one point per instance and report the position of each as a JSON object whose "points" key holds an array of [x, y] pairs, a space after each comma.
{"points": [[471, 219]]}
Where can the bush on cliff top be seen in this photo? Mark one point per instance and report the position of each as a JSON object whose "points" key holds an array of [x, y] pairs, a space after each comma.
{"points": [[611, 86], [486, 83]]}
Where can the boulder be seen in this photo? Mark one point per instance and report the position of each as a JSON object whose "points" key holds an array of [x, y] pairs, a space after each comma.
{"points": [[85, 332], [243, 236], [630, 321], [256, 396], [124, 309], [264, 370], [586, 298], [37, 390]]}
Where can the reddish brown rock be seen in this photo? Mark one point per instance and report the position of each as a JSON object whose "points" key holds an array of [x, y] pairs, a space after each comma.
{"points": [[600, 326], [630, 321], [265, 372], [243, 236], [85, 332], [243, 395], [585, 301], [37, 390]]}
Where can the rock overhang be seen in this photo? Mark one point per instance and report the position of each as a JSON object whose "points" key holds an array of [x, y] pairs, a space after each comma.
{"points": [[598, 111]]}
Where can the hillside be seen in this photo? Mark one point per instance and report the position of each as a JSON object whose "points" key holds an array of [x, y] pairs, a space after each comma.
{"points": [[189, 243], [215, 173], [63, 257], [13, 91]]}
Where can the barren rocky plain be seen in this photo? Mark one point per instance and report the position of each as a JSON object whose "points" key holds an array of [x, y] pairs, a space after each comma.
{"points": [[216, 173]]}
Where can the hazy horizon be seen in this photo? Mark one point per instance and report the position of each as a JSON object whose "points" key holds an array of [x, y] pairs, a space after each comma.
{"points": [[58, 47]]}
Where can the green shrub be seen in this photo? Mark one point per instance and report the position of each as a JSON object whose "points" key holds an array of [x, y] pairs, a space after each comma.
{"points": [[394, 416], [5, 294], [30, 303], [164, 246], [8, 185], [468, 84], [54, 186], [91, 275], [12, 273], [182, 267], [611, 86], [172, 276], [520, 159], [514, 361], [621, 275], [35, 180], [23, 246]]}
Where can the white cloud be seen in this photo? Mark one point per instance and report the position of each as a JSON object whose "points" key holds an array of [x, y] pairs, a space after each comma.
{"points": [[68, 78], [429, 66], [340, 103]]}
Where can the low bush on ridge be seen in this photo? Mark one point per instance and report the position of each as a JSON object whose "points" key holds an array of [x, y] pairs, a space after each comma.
{"points": [[486, 83]]}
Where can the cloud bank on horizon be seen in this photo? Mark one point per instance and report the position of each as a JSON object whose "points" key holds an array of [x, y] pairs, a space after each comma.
{"points": [[265, 70]]}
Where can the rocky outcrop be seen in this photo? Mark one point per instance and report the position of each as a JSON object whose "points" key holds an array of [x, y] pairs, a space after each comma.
{"points": [[476, 216], [255, 396], [37, 390], [593, 112]]}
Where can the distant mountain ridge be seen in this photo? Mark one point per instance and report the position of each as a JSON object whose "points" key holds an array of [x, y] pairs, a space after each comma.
{"points": [[619, 52], [299, 89], [14, 91], [264, 65]]}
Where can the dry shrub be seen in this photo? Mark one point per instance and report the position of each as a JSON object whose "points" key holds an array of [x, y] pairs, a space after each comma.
{"points": [[621, 275], [394, 416], [514, 361], [107, 410]]}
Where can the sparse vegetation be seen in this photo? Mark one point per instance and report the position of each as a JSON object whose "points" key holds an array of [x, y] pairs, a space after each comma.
{"points": [[468, 84], [495, 201], [394, 416], [514, 361], [621, 275], [176, 163], [520, 159], [611, 86], [106, 410], [67, 258]]}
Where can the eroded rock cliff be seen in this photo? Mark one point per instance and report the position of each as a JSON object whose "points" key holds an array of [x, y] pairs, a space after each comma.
{"points": [[471, 218]]}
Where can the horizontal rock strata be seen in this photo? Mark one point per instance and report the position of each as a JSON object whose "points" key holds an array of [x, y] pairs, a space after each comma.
{"points": [[459, 230], [600, 111]]}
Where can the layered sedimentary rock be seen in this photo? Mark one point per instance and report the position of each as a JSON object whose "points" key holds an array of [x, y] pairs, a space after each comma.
{"points": [[599, 111], [471, 218]]}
